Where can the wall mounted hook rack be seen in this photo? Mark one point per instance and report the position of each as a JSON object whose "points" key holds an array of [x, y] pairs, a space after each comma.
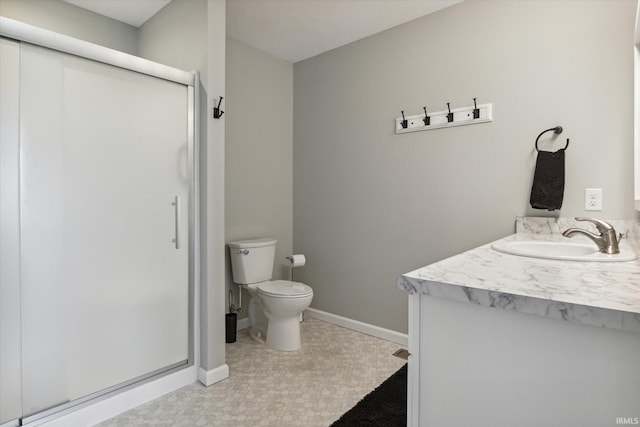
{"points": [[447, 118]]}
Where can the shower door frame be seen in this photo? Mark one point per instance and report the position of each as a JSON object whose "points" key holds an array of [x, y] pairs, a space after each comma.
{"points": [[172, 377]]}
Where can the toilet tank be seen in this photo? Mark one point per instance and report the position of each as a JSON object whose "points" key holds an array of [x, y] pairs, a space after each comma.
{"points": [[252, 260]]}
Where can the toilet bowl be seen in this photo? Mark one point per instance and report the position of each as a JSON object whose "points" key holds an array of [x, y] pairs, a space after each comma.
{"points": [[275, 306], [283, 302]]}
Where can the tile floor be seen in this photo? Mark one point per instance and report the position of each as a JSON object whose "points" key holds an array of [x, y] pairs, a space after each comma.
{"points": [[335, 368]]}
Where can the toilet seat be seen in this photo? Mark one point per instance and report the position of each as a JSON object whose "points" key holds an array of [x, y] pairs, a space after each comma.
{"points": [[284, 289]]}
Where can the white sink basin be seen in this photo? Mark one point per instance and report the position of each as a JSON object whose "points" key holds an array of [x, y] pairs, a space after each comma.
{"points": [[567, 251]]}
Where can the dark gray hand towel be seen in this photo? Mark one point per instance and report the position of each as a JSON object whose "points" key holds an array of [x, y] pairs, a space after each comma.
{"points": [[547, 190]]}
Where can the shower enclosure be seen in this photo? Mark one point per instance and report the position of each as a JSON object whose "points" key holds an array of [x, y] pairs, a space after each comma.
{"points": [[97, 214]]}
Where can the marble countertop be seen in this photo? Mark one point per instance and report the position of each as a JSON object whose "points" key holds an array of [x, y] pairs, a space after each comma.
{"points": [[594, 293]]}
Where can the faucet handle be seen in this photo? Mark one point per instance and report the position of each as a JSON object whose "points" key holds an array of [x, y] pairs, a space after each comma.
{"points": [[602, 226]]}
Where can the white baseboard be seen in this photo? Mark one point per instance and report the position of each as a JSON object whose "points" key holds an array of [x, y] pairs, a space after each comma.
{"points": [[365, 328], [243, 323], [214, 375]]}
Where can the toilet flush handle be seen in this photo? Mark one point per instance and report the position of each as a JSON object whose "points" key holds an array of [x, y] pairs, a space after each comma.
{"points": [[243, 251]]}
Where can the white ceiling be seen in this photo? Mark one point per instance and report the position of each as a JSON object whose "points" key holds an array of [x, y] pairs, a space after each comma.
{"points": [[299, 29], [292, 30], [132, 12]]}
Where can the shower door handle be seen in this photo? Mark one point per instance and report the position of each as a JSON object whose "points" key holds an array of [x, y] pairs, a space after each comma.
{"points": [[176, 214]]}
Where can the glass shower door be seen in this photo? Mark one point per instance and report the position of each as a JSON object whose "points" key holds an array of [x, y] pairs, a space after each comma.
{"points": [[103, 205]]}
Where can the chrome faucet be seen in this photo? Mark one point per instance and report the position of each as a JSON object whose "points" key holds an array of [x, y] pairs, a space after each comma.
{"points": [[607, 241]]}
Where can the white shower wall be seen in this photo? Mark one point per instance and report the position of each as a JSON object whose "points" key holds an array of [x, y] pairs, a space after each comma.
{"points": [[95, 251], [103, 155], [10, 353]]}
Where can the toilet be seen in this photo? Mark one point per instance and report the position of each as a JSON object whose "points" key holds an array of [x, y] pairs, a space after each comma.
{"points": [[275, 306]]}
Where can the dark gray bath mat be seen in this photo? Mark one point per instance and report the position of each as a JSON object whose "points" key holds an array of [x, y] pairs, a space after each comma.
{"points": [[386, 406]]}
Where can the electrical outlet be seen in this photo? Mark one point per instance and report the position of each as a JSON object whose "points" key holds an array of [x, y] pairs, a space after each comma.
{"points": [[593, 199]]}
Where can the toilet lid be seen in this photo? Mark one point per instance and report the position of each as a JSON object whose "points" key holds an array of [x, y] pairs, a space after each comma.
{"points": [[285, 288]]}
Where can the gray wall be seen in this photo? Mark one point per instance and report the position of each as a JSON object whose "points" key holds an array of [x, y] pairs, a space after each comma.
{"points": [[259, 175], [65, 18], [176, 35], [370, 205]]}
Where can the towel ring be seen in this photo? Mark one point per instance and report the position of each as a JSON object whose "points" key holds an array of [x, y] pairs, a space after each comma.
{"points": [[557, 130]]}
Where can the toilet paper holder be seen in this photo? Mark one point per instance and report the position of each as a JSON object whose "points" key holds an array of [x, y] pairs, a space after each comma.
{"points": [[296, 260]]}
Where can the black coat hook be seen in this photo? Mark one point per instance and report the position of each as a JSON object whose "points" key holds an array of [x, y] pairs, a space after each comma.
{"points": [[217, 112], [557, 130], [476, 110], [405, 122], [427, 119], [450, 115]]}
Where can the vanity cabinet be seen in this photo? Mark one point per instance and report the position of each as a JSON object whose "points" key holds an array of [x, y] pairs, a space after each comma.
{"points": [[500, 340]]}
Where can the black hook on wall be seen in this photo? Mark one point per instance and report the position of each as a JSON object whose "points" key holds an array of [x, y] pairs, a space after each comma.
{"points": [[476, 110], [450, 115], [217, 112], [427, 119], [405, 122]]}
